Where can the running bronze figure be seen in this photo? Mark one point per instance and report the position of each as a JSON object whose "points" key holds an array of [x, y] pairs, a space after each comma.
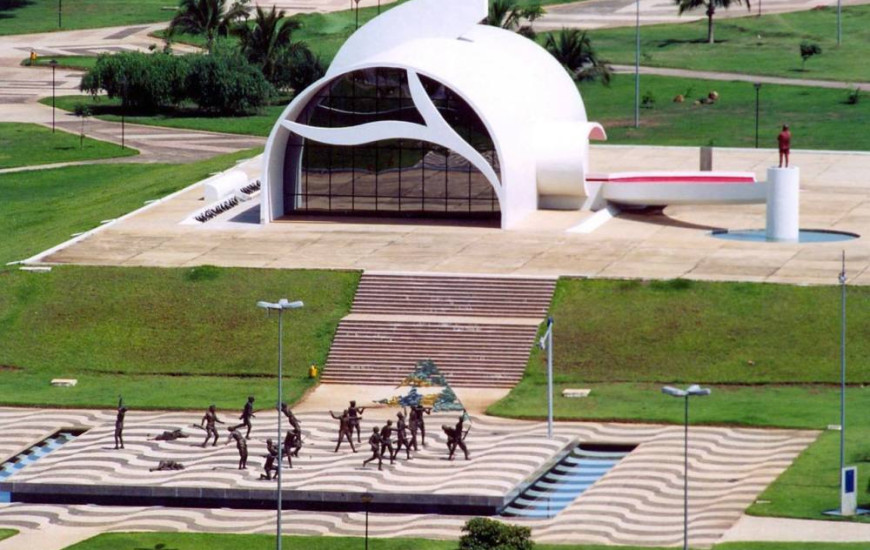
{"points": [[343, 429], [209, 419], [291, 418], [375, 444], [387, 440], [292, 444], [402, 437], [246, 416], [456, 437]]}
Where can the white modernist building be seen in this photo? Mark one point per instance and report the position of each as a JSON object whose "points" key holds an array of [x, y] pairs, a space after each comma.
{"points": [[426, 112]]}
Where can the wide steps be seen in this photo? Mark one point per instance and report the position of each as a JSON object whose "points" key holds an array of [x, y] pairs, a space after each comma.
{"points": [[403, 325], [457, 296]]}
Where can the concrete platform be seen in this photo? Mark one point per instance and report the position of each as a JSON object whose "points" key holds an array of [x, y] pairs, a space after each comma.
{"points": [[638, 502], [674, 243]]}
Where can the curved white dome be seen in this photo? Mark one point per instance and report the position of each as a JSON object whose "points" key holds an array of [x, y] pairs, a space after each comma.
{"points": [[521, 93]]}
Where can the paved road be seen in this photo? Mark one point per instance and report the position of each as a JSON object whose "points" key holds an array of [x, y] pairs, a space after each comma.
{"points": [[596, 14], [730, 77], [21, 88]]}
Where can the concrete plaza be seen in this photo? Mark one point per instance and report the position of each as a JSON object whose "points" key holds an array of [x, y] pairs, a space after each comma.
{"points": [[675, 243]]}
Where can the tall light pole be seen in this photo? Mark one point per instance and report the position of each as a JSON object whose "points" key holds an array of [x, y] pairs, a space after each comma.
{"points": [[59, 13], [357, 13], [280, 306], [842, 369], [637, 65], [53, 64], [839, 22], [757, 100], [546, 343], [694, 389]]}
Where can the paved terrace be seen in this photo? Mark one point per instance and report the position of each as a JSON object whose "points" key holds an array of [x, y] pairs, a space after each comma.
{"points": [[677, 243], [637, 502]]}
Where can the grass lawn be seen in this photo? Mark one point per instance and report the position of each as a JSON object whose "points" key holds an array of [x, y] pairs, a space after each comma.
{"points": [[31, 144], [76, 62], [33, 16], [766, 45], [819, 118], [42, 208], [110, 109], [782, 339], [191, 541], [6, 533], [142, 331]]}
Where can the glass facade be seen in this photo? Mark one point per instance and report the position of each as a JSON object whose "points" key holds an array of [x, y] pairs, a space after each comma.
{"points": [[396, 177]]}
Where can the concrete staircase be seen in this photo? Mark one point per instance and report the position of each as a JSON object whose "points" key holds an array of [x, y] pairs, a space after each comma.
{"points": [[478, 330]]}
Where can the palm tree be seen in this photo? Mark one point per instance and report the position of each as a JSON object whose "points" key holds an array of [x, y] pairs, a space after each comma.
{"points": [[686, 5], [209, 17], [507, 14], [264, 43], [573, 49]]}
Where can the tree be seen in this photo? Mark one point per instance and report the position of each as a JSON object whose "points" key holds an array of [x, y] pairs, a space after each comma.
{"points": [[488, 534], [808, 49], [268, 40], [142, 81], [224, 82], [573, 49], [507, 14], [711, 5], [303, 69], [209, 17]]}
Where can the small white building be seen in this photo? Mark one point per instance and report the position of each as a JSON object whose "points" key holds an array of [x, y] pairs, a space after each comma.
{"points": [[426, 113]]}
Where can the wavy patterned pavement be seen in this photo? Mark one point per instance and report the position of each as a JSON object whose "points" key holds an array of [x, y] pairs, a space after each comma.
{"points": [[637, 502]]}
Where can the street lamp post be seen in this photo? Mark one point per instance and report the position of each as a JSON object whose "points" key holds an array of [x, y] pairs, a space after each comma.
{"points": [[53, 64], [842, 279], [59, 13], [546, 343], [637, 65], [357, 13], [694, 389], [280, 306], [366, 499], [839, 22], [757, 100]]}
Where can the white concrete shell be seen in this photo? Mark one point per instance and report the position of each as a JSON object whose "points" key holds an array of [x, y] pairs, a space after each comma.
{"points": [[528, 103]]}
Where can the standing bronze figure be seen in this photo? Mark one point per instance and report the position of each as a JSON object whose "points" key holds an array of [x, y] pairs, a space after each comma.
{"points": [[208, 420], [402, 436], [119, 424], [241, 445], [355, 414], [292, 444], [344, 430], [417, 423], [246, 416], [375, 443]]}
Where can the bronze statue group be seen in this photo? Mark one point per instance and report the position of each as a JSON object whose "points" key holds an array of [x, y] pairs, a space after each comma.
{"points": [[381, 441]]}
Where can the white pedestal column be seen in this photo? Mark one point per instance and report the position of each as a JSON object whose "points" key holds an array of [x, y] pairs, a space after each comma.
{"points": [[783, 204]]}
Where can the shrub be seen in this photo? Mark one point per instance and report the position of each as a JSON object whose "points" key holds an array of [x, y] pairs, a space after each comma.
{"points": [[854, 96], [142, 81], [298, 68], [224, 82], [808, 49], [649, 100], [487, 534]]}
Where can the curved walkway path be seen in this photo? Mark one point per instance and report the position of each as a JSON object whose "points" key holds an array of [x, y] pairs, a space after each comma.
{"points": [[730, 77], [22, 87]]}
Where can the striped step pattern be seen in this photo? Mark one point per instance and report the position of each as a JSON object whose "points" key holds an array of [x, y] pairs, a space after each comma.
{"points": [[477, 330], [638, 502], [568, 479], [454, 296], [468, 355]]}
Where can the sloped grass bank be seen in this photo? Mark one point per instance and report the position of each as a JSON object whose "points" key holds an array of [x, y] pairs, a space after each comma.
{"points": [[164, 338]]}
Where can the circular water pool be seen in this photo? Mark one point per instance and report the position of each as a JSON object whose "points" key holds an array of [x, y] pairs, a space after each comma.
{"points": [[804, 236]]}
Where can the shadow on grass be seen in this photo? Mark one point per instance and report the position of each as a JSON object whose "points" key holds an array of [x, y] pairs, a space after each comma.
{"points": [[678, 42]]}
